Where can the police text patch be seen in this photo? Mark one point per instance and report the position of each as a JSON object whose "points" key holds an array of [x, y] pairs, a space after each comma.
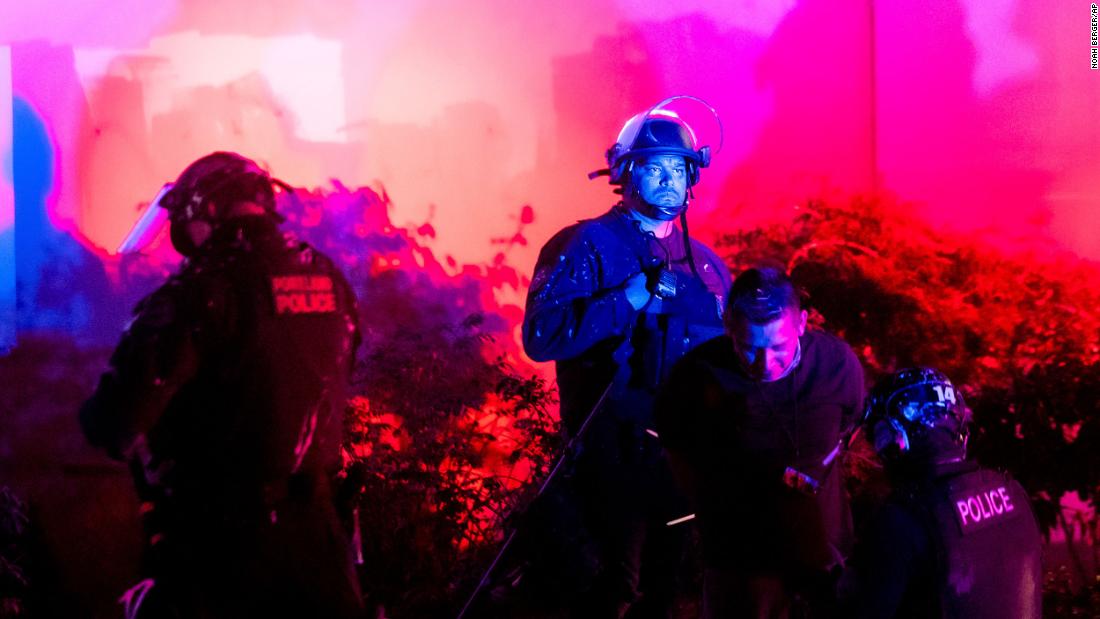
{"points": [[303, 294], [976, 510]]}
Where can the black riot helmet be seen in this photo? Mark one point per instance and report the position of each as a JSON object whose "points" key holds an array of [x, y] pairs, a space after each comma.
{"points": [[208, 190], [917, 412]]}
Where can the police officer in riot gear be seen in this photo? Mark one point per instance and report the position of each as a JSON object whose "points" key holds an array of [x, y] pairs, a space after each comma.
{"points": [[615, 301], [955, 539], [226, 394]]}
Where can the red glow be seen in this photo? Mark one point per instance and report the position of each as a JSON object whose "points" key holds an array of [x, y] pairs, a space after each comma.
{"points": [[468, 110], [475, 123]]}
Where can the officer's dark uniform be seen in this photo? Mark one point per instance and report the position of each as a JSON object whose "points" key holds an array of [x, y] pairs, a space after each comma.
{"points": [[578, 315], [962, 544], [229, 385]]}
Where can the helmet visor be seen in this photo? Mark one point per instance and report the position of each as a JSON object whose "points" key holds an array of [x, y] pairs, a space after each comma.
{"points": [[694, 120], [926, 403], [149, 225]]}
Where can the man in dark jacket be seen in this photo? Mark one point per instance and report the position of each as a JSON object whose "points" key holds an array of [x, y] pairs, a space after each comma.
{"points": [[753, 424], [615, 301], [954, 540], [226, 396]]}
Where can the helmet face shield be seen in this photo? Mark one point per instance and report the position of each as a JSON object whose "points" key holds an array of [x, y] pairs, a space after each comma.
{"points": [[671, 127], [148, 226], [910, 405], [657, 134], [220, 179], [923, 403], [205, 192]]}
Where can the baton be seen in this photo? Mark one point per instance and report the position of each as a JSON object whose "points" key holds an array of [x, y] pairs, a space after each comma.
{"points": [[567, 452]]}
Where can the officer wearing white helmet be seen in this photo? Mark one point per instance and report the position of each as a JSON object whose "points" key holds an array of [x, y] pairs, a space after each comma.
{"points": [[615, 300]]}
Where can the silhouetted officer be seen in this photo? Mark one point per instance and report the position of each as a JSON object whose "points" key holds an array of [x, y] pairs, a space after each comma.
{"points": [[226, 393]]}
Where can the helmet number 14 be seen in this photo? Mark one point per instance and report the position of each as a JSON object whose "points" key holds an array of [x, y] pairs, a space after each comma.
{"points": [[945, 393]]}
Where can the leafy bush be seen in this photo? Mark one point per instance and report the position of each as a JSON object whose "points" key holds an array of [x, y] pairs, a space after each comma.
{"points": [[1017, 327], [447, 429]]}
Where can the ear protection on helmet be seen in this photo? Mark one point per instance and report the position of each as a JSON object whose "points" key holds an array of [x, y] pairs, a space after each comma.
{"points": [[890, 437]]}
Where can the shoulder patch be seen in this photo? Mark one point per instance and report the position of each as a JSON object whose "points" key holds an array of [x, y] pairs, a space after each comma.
{"points": [[303, 294]]}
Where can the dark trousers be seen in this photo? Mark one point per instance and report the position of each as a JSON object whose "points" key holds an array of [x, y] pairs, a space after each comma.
{"points": [[749, 594], [296, 563], [627, 497]]}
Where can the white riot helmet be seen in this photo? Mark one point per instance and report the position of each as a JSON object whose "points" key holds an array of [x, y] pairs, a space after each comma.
{"points": [[664, 129]]}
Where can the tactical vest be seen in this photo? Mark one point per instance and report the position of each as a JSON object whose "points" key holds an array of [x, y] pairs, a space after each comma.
{"points": [[672, 326], [637, 363], [988, 547], [261, 421]]}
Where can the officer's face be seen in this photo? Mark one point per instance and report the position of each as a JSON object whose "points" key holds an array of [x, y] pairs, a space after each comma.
{"points": [[661, 181], [767, 351]]}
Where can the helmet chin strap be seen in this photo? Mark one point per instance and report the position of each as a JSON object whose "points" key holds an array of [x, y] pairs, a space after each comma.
{"points": [[684, 226], [637, 202], [636, 198]]}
